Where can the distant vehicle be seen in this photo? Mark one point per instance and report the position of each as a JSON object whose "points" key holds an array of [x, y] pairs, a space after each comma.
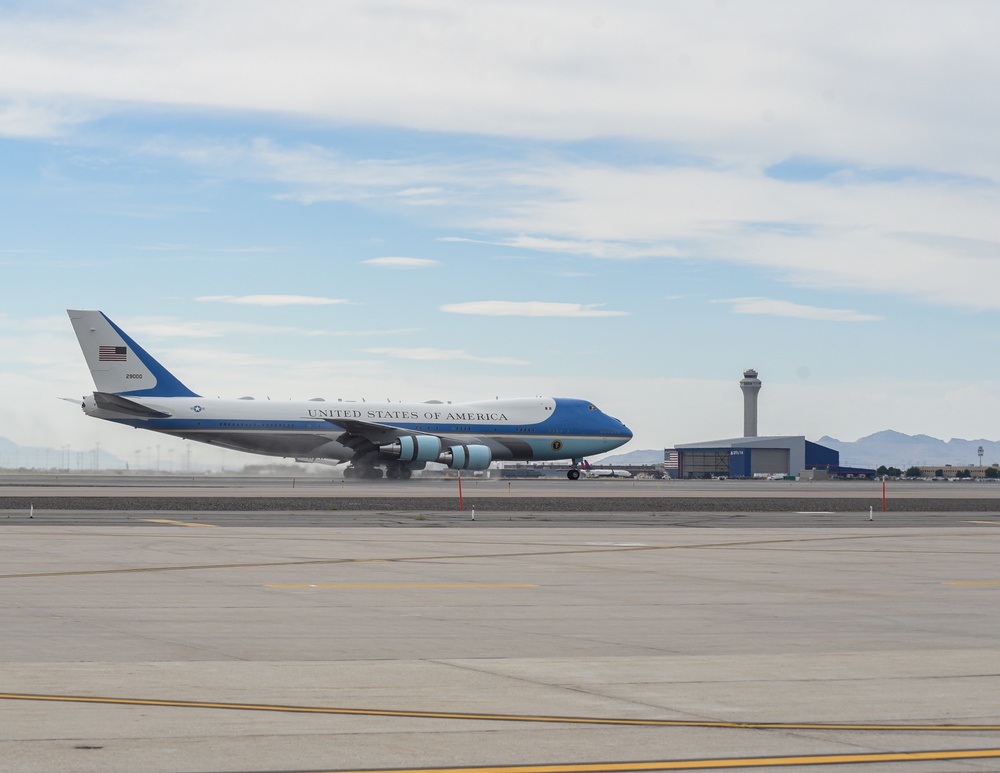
{"points": [[135, 390]]}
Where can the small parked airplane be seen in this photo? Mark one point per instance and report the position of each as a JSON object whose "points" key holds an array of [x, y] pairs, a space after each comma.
{"points": [[135, 390]]}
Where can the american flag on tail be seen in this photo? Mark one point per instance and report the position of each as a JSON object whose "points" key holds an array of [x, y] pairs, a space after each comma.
{"points": [[112, 354]]}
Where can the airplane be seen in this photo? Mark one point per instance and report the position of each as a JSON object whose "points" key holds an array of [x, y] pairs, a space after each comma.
{"points": [[607, 473], [135, 390]]}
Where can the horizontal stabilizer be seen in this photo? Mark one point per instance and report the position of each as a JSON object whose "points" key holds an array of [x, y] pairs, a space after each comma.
{"points": [[111, 402]]}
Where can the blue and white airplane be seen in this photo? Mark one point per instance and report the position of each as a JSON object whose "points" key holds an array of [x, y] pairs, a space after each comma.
{"points": [[135, 390]]}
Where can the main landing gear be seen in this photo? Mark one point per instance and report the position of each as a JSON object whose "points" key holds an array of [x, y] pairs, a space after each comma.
{"points": [[398, 472], [574, 471], [370, 473], [392, 472]]}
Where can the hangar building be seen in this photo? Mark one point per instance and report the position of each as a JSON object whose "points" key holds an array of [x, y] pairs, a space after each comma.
{"points": [[751, 455], [747, 457]]}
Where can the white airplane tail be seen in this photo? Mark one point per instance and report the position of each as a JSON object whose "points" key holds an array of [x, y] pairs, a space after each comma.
{"points": [[118, 364]]}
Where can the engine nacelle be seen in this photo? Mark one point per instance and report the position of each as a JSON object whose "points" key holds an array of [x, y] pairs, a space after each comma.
{"points": [[466, 457], [414, 448]]}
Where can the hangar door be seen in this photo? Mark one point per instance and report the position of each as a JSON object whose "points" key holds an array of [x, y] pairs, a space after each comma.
{"points": [[712, 463], [768, 461]]}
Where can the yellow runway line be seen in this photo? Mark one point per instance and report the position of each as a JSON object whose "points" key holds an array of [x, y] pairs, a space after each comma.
{"points": [[730, 763], [541, 719], [180, 523], [402, 585]]}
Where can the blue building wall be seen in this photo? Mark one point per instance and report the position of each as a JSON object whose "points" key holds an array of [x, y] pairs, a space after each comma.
{"points": [[740, 462], [820, 457]]}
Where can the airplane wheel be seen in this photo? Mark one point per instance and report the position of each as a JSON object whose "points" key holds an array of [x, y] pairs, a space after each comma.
{"points": [[392, 473], [573, 475], [406, 473]]}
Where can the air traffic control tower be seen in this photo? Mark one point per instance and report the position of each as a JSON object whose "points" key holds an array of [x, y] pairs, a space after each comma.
{"points": [[750, 385], [751, 456]]}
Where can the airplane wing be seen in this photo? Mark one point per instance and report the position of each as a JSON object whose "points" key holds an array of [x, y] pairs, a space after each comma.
{"points": [[364, 437], [373, 432]]}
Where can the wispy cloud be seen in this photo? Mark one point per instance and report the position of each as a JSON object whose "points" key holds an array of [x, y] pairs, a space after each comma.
{"points": [[272, 300], [163, 327], [530, 309], [775, 308], [38, 119], [596, 248], [400, 262], [430, 354], [718, 211]]}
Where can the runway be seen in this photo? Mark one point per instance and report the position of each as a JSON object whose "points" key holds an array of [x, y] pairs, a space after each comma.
{"points": [[244, 641], [599, 498]]}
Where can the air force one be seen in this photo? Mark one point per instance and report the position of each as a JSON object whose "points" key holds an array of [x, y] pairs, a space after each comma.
{"points": [[135, 390]]}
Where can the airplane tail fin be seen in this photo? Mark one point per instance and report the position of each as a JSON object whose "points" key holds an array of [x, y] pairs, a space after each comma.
{"points": [[118, 364]]}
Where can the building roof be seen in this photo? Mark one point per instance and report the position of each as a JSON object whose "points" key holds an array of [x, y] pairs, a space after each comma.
{"points": [[745, 442]]}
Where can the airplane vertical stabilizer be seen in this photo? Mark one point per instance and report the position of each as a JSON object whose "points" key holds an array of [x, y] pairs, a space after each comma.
{"points": [[118, 364]]}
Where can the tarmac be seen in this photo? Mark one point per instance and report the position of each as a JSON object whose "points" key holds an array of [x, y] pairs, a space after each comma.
{"points": [[559, 640]]}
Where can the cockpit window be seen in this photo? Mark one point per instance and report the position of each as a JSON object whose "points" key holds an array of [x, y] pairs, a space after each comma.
{"points": [[591, 407]]}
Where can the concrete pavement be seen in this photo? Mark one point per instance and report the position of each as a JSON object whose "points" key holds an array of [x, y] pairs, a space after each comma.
{"points": [[211, 647]]}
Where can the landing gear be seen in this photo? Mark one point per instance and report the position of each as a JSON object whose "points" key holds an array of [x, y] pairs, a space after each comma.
{"points": [[371, 473], [573, 474], [392, 472], [398, 472]]}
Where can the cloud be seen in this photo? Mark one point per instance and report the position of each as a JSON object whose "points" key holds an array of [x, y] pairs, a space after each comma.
{"points": [[596, 248], [429, 354], [775, 308], [416, 192], [740, 75], [20, 118], [530, 309], [398, 262], [272, 300], [844, 235], [707, 104]]}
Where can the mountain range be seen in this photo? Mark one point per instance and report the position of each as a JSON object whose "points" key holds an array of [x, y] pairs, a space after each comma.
{"points": [[894, 449]]}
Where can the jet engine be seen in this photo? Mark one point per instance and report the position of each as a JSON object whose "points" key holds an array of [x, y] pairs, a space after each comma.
{"points": [[414, 448], [466, 457]]}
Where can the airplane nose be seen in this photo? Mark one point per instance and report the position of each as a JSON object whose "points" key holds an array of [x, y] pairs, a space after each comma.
{"points": [[625, 431]]}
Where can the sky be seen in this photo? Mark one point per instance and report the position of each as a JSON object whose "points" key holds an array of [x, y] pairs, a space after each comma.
{"points": [[628, 202]]}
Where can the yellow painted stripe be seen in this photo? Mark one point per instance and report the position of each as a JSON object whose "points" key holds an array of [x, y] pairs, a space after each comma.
{"points": [[180, 523], [493, 717], [728, 763], [991, 523], [402, 585]]}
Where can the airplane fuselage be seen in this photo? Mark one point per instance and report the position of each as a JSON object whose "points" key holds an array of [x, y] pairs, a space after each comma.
{"points": [[541, 429], [134, 389]]}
